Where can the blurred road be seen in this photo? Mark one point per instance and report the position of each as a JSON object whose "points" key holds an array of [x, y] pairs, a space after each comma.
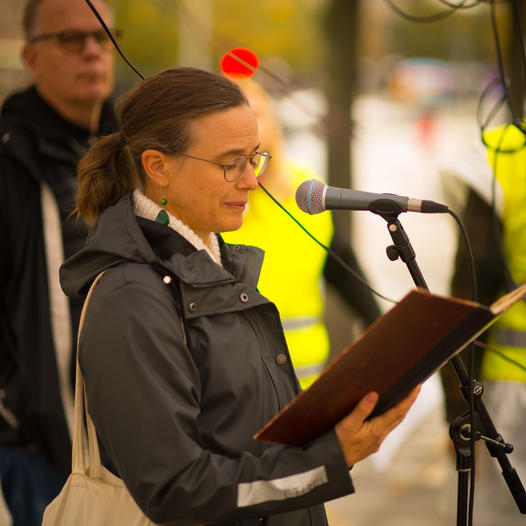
{"points": [[417, 487]]}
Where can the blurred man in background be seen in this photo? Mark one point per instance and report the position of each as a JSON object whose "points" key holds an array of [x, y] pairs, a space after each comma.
{"points": [[44, 130]]}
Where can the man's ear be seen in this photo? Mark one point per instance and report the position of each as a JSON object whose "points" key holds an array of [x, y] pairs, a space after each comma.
{"points": [[29, 57], [155, 164]]}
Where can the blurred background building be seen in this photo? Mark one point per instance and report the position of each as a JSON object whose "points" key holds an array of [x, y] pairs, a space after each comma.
{"points": [[376, 95]]}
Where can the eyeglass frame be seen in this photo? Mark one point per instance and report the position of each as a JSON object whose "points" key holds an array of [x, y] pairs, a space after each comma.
{"points": [[116, 33], [248, 158]]}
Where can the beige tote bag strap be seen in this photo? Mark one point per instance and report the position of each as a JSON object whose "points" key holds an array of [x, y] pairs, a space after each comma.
{"points": [[78, 460]]}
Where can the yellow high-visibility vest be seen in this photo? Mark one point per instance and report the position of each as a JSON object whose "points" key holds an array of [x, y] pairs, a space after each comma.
{"points": [[291, 275], [506, 147]]}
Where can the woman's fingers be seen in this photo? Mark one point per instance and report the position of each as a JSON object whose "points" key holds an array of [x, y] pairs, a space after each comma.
{"points": [[358, 437]]}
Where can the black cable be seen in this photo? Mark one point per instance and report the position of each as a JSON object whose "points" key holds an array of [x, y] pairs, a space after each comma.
{"points": [[471, 367], [108, 31], [469, 252], [462, 5], [429, 18], [486, 92], [520, 33], [500, 62]]}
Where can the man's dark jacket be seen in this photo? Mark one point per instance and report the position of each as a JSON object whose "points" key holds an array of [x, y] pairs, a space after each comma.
{"points": [[39, 151]]}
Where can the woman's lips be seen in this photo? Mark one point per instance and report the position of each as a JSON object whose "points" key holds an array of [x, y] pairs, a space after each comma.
{"points": [[237, 205]]}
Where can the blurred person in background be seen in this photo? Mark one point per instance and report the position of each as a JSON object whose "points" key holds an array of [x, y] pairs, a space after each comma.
{"points": [[44, 129], [295, 268], [499, 250]]}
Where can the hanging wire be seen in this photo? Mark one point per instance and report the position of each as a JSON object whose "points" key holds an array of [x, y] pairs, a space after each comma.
{"points": [[434, 17], [520, 33], [500, 62], [112, 38]]}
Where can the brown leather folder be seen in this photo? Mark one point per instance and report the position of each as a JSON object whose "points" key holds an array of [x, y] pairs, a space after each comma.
{"points": [[398, 351]]}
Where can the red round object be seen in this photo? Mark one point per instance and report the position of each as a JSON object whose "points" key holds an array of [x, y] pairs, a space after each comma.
{"points": [[239, 62]]}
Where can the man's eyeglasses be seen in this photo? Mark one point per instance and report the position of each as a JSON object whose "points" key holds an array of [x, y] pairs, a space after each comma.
{"points": [[74, 41], [233, 168]]}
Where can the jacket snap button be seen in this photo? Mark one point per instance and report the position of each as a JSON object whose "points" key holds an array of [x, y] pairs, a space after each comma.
{"points": [[243, 297], [167, 279], [281, 359], [192, 307]]}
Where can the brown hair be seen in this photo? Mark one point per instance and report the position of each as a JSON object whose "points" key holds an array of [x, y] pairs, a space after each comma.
{"points": [[155, 115]]}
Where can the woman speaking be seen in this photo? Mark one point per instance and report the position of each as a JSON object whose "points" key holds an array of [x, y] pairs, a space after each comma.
{"points": [[183, 359]]}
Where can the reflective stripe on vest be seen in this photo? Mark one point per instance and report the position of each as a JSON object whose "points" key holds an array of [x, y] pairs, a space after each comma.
{"points": [[510, 338]]}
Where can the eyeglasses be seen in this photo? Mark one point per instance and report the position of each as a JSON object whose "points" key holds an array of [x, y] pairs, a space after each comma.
{"points": [[233, 168], [74, 41]]}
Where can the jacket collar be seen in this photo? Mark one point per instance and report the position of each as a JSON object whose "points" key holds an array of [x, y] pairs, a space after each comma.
{"points": [[119, 236]]}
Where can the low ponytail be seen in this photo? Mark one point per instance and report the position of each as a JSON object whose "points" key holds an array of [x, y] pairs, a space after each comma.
{"points": [[105, 174]]}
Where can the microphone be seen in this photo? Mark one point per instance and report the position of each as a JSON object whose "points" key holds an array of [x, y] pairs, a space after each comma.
{"points": [[315, 196]]}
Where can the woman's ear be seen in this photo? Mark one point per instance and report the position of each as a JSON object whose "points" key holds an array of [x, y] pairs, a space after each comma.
{"points": [[155, 164]]}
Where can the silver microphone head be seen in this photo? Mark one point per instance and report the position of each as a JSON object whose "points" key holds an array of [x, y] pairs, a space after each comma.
{"points": [[310, 196]]}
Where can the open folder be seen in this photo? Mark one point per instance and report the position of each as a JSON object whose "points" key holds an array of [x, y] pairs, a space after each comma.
{"points": [[401, 349]]}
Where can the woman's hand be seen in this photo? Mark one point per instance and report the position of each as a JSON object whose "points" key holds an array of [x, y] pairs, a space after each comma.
{"points": [[360, 438]]}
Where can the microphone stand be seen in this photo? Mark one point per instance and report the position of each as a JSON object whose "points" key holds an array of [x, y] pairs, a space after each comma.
{"points": [[462, 429]]}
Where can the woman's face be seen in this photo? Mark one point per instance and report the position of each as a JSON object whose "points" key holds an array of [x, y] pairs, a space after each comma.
{"points": [[197, 192]]}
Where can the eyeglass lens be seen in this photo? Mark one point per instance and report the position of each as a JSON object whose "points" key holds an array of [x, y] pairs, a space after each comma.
{"points": [[235, 167], [75, 41]]}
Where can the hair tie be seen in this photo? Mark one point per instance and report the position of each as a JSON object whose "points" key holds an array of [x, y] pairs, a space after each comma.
{"points": [[123, 142]]}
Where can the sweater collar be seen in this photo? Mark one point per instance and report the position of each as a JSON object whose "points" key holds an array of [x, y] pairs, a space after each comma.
{"points": [[145, 207]]}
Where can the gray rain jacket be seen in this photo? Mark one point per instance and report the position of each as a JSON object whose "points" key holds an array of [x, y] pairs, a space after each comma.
{"points": [[183, 362]]}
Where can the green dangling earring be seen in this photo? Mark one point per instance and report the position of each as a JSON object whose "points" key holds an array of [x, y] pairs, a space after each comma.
{"points": [[162, 216]]}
